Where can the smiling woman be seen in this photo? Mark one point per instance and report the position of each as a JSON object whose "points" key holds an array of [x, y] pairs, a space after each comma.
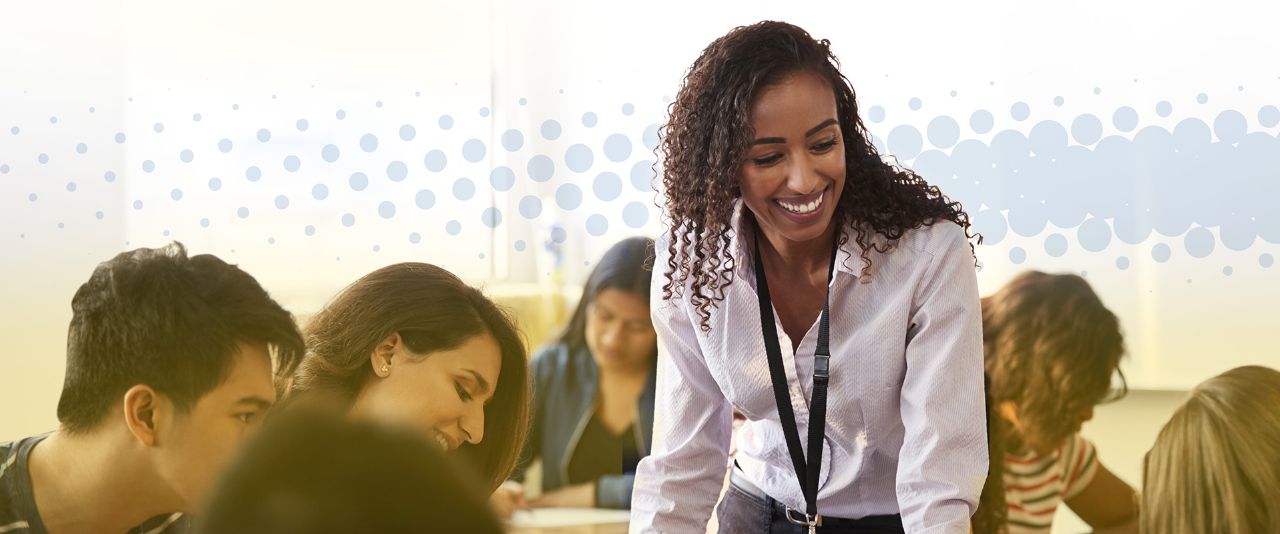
{"points": [[411, 344]]}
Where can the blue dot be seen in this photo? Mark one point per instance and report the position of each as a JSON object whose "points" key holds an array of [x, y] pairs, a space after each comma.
{"points": [[914, 104], [408, 132], [119, 138], [1020, 111], [82, 148], [569, 197], [1097, 90], [147, 166], [523, 101], [651, 137], [579, 158], [253, 174], [330, 153], [1226, 270], [589, 119], [15, 130], [271, 240], [358, 181], [1161, 252], [425, 199], [341, 114], [1122, 263], [1058, 101], [224, 146], [109, 176], [519, 245], [1266, 261], [530, 207], [176, 194], [558, 235], [607, 186], [512, 140], [320, 191], [397, 171], [309, 230], [348, 220], [1268, 116], [491, 217], [453, 227], [1086, 129], [642, 176], [1055, 245], [368, 142], [1230, 126], [875, 114], [243, 212], [1164, 108], [992, 225], [445, 122], [264, 135], [4, 169], [234, 107], [550, 130], [473, 150], [415, 238], [484, 112], [387, 209], [282, 202], [71, 187], [597, 225], [541, 168], [435, 161], [377, 104], [635, 214], [1202, 98], [905, 142], [33, 197], [137, 204], [628, 109], [99, 215], [617, 147], [463, 189], [1125, 119], [302, 125], [502, 178], [1017, 255], [943, 132], [44, 158], [1094, 234], [1199, 242], [187, 155], [204, 223], [158, 127]]}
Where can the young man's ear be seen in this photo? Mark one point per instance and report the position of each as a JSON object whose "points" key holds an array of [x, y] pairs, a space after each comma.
{"points": [[142, 408]]}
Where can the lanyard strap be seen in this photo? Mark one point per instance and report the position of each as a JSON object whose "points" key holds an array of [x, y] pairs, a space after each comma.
{"points": [[806, 471]]}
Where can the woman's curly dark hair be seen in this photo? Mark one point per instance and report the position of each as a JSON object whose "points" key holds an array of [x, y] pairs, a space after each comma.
{"points": [[708, 133]]}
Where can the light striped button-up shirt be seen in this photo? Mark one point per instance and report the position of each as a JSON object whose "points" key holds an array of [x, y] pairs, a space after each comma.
{"points": [[905, 429]]}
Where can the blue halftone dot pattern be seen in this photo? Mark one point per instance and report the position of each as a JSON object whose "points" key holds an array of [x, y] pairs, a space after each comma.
{"points": [[1020, 111], [981, 121], [435, 161], [635, 214], [158, 127], [914, 104], [292, 163], [368, 142], [320, 191], [348, 220], [530, 207], [224, 145], [302, 125], [875, 114], [617, 147], [330, 153], [491, 217], [1266, 261], [1199, 242], [453, 227], [568, 197], [650, 137], [282, 202], [1164, 108], [502, 178], [597, 225], [512, 140], [1094, 234], [1122, 263], [992, 226], [559, 235], [397, 171], [309, 230], [550, 130], [120, 138], [1055, 245], [358, 181], [415, 238], [519, 245], [445, 122], [253, 174], [264, 135], [147, 166], [424, 199], [943, 132], [905, 142], [175, 194], [464, 189], [242, 212], [607, 186], [541, 168], [1017, 255], [81, 148], [642, 175], [589, 119], [473, 150], [408, 132], [340, 114], [186, 156], [578, 158], [1161, 252], [387, 209]]}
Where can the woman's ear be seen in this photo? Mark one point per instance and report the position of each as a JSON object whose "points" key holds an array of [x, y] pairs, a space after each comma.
{"points": [[383, 354]]}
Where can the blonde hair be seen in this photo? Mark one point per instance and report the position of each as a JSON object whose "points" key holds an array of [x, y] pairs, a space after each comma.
{"points": [[1213, 467]]}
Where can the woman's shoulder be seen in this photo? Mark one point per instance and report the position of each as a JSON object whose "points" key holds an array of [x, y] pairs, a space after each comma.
{"points": [[937, 238]]}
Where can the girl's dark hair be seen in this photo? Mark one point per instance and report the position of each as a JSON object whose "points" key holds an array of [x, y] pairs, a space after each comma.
{"points": [[706, 138], [1051, 348], [627, 266], [433, 310]]}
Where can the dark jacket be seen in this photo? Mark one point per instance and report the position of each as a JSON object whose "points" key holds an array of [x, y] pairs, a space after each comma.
{"points": [[565, 389]]}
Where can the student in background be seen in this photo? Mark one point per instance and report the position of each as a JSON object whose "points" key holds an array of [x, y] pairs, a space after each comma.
{"points": [[412, 344], [1051, 351], [593, 390], [1214, 466], [169, 367], [310, 474]]}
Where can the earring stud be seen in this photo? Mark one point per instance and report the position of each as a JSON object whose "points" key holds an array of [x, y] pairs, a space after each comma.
{"points": [[386, 368]]}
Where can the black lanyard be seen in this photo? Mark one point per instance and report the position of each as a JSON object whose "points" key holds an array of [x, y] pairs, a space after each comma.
{"points": [[806, 472]]}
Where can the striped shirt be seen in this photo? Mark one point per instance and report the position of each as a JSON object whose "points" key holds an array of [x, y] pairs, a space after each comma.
{"points": [[1034, 486], [18, 514]]}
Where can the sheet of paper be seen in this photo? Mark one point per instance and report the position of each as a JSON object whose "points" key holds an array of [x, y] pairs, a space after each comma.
{"points": [[567, 517]]}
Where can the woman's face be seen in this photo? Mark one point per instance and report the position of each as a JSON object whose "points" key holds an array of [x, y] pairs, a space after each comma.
{"points": [[442, 394], [795, 168], [619, 331]]}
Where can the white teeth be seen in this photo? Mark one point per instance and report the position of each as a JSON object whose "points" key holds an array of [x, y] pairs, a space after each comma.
{"points": [[444, 443], [802, 208]]}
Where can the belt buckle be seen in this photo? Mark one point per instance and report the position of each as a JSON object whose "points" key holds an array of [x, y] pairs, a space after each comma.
{"points": [[810, 521]]}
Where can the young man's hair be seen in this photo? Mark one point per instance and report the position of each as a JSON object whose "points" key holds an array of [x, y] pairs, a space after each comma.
{"points": [[159, 318], [308, 472], [1213, 467]]}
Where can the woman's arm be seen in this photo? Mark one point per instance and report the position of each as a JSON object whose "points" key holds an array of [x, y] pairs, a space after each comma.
{"points": [[943, 461], [677, 485]]}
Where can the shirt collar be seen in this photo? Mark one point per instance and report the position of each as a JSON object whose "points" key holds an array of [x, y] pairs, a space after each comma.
{"points": [[742, 245]]}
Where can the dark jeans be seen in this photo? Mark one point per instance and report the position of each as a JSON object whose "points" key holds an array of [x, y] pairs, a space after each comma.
{"points": [[741, 513]]}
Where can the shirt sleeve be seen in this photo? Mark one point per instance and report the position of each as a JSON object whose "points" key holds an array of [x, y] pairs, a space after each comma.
{"points": [[943, 461], [677, 485], [1081, 464]]}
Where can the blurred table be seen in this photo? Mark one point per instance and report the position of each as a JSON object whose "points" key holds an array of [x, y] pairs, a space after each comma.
{"points": [[570, 521]]}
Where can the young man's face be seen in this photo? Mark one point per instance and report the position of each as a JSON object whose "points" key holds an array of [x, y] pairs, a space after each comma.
{"points": [[195, 447]]}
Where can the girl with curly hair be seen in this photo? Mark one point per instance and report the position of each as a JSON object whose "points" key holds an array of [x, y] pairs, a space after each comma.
{"points": [[851, 344]]}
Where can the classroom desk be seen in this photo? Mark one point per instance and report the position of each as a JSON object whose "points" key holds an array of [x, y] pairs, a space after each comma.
{"points": [[615, 528], [570, 521]]}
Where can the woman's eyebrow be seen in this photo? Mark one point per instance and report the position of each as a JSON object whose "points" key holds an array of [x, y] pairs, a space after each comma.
{"points": [[814, 130]]}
